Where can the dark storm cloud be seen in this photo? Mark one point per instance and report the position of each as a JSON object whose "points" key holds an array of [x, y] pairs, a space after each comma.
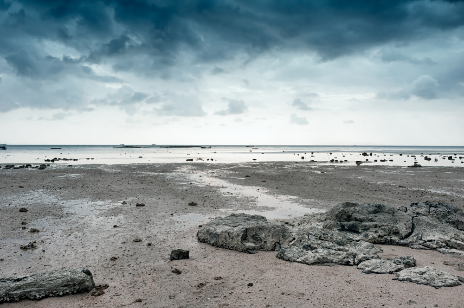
{"points": [[217, 30], [152, 37]]}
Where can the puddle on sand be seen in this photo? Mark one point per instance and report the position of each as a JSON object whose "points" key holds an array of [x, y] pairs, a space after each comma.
{"points": [[269, 206], [192, 219]]}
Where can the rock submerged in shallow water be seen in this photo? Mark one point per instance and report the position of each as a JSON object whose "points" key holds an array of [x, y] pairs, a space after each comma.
{"points": [[54, 283], [316, 251], [246, 233], [428, 276], [179, 254]]}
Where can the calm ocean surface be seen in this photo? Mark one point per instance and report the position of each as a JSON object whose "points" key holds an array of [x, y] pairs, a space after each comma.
{"points": [[108, 154]]}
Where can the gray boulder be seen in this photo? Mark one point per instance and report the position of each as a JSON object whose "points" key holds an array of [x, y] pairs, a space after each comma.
{"points": [[370, 222], [428, 276], [388, 266], [245, 233], [436, 225], [316, 251], [54, 283]]}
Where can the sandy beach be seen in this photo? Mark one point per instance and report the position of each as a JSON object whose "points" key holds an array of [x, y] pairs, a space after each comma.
{"points": [[87, 217]]}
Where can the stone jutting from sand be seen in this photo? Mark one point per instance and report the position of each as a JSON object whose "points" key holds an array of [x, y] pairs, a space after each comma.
{"points": [[428, 276], [316, 251], [378, 266], [179, 254], [245, 233], [343, 235], [54, 283]]}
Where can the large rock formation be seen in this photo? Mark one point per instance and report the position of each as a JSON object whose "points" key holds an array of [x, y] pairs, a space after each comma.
{"points": [[54, 283], [345, 234], [428, 276], [246, 233]]}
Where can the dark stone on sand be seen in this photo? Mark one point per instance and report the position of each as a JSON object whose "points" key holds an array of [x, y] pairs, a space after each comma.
{"points": [[193, 203], [140, 204], [179, 254], [23, 210], [38, 286]]}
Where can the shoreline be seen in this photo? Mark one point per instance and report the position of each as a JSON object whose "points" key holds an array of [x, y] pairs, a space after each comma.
{"points": [[75, 210]]}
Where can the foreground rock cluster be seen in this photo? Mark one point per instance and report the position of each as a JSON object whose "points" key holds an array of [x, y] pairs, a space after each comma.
{"points": [[346, 235], [38, 286]]}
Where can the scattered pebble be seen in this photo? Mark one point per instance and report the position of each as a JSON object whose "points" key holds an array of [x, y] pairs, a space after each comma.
{"points": [[23, 209]]}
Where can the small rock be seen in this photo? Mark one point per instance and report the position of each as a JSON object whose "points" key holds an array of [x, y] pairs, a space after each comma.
{"points": [[140, 204], [148, 244], [115, 226], [179, 254], [24, 222], [34, 230], [124, 202], [250, 284], [137, 240], [200, 285], [218, 278], [138, 300], [113, 258], [31, 245], [176, 271], [23, 210], [193, 203]]}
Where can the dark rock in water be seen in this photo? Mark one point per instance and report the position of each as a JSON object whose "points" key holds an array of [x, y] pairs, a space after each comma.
{"points": [[244, 232], [54, 283], [315, 251], [179, 254], [428, 276]]}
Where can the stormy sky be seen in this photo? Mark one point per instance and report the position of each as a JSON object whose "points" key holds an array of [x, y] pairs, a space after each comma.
{"points": [[342, 72]]}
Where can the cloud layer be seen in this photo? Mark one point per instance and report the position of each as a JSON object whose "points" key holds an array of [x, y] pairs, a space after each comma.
{"points": [[159, 60]]}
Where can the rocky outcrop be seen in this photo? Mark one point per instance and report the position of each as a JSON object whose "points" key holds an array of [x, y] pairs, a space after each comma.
{"points": [[374, 223], [54, 283], [378, 266], [316, 251], [345, 234], [428, 276], [436, 225], [246, 233]]}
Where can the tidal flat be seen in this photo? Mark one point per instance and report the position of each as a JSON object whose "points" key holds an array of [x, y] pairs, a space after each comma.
{"points": [[86, 216]]}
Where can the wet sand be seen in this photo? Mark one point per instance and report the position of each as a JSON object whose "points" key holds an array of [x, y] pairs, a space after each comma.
{"points": [[76, 209]]}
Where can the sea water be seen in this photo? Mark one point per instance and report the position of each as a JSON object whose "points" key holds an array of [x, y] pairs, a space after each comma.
{"points": [[314, 154]]}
